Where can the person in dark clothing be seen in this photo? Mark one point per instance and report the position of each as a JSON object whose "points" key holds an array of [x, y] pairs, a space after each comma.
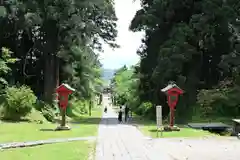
{"points": [[126, 113], [105, 109], [120, 115]]}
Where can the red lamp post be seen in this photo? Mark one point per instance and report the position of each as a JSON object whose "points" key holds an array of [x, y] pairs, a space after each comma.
{"points": [[173, 92], [63, 91]]}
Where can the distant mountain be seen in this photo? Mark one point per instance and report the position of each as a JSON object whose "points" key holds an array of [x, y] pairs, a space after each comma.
{"points": [[108, 74]]}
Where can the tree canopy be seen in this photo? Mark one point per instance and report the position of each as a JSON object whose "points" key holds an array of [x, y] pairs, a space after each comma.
{"points": [[55, 41], [195, 44]]}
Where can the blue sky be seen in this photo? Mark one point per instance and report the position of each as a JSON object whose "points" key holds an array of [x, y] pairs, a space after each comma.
{"points": [[129, 42]]}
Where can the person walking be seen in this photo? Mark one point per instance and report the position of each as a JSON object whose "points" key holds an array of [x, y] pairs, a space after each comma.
{"points": [[105, 109], [126, 110], [130, 115], [120, 115]]}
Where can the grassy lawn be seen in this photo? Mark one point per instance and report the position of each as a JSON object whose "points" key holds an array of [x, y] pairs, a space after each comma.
{"points": [[149, 128], [23, 131], [226, 120], [151, 131], [62, 151]]}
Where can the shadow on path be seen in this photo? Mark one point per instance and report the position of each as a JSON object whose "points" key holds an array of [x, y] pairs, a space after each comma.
{"points": [[107, 120]]}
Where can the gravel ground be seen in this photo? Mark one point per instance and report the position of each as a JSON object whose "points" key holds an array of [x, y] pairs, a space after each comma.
{"points": [[210, 148]]}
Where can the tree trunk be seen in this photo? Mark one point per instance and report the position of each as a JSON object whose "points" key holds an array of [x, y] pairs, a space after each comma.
{"points": [[49, 78], [51, 69], [90, 107], [57, 70]]}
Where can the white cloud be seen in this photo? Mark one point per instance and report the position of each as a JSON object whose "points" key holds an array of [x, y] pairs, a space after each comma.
{"points": [[129, 42]]}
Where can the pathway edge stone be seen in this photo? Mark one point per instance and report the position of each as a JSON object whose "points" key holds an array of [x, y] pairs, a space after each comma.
{"points": [[42, 142]]}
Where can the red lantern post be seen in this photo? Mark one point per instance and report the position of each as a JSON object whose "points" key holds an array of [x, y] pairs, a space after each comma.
{"points": [[63, 91], [173, 92]]}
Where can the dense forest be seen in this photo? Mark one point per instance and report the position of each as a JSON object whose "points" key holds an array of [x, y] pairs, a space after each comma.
{"points": [[194, 43], [47, 42]]}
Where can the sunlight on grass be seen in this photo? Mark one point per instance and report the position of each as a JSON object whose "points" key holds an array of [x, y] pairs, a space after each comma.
{"points": [[23, 131], [149, 128], [67, 151]]}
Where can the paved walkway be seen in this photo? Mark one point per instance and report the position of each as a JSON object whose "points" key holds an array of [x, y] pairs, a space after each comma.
{"points": [[209, 148], [123, 142]]}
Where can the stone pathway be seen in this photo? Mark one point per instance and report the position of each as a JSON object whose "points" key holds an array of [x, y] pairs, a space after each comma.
{"points": [[42, 142], [209, 148], [123, 141]]}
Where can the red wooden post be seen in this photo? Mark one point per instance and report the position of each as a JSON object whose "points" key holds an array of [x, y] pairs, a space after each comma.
{"points": [[172, 91], [171, 117], [63, 91]]}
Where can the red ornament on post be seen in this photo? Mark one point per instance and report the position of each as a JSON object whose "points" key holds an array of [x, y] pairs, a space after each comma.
{"points": [[173, 92], [63, 91]]}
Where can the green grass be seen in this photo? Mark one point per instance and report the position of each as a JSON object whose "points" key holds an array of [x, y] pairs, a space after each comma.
{"points": [[26, 131], [62, 151], [149, 128], [151, 131], [23, 131], [226, 120]]}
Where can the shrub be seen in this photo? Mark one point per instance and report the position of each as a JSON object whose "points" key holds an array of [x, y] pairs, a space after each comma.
{"points": [[144, 108], [219, 102], [39, 105], [77, 106], [47, 110], [133, 102], [18, 102]]}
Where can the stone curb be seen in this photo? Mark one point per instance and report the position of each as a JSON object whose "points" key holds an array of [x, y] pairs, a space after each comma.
{"points": [[42, 142]]}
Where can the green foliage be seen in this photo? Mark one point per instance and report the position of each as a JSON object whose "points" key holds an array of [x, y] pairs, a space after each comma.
{"points": [[72, 31], [3, 12], [144, 108], [77, 106], [19, 101], [134, 102], [4, 61], [195, 44], [86, 73], [125, 91], [219, 102], [121, 84], [36, 117], [47, 110], [39, 105]]}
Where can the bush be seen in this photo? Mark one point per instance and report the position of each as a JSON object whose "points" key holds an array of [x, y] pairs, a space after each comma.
{"points": [[219, 102], [18, 102], [144, 108], [47, 110], [39, 105], [133, 102], [77, 106]]}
